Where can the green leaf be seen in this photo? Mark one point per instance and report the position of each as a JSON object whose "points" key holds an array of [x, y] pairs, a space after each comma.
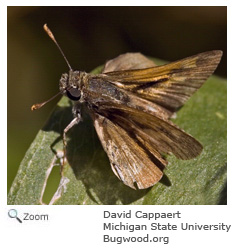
{"points": [[88, 178]]}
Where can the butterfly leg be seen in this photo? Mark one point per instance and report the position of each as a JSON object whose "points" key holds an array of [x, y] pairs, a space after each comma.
{"points": [[77, 118]]}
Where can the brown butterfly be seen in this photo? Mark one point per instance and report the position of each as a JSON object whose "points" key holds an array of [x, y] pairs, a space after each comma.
{"points": [[131, 111]]}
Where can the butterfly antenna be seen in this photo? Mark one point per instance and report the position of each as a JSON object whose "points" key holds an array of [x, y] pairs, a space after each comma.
{"points": [[39, 105], [50, 34]]}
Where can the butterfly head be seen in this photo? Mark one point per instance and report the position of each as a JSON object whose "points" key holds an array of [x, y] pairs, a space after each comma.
{"points": [[70, 85]]}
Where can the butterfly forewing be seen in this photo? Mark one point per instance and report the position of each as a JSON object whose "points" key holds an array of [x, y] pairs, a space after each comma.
{"points": [[162, 135], [169, 85]]}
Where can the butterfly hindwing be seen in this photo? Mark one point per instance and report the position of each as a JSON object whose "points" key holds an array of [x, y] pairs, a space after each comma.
{"points": [[129, 161]]}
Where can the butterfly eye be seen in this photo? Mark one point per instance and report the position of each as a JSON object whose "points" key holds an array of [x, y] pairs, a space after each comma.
{"points": [[74, 94]]}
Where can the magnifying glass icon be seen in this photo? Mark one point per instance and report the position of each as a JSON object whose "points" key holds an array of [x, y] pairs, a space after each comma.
{"points": [[12, 213]]}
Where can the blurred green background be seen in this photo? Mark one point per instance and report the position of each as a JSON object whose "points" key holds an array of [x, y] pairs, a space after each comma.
{"points": [[89, 36]]}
